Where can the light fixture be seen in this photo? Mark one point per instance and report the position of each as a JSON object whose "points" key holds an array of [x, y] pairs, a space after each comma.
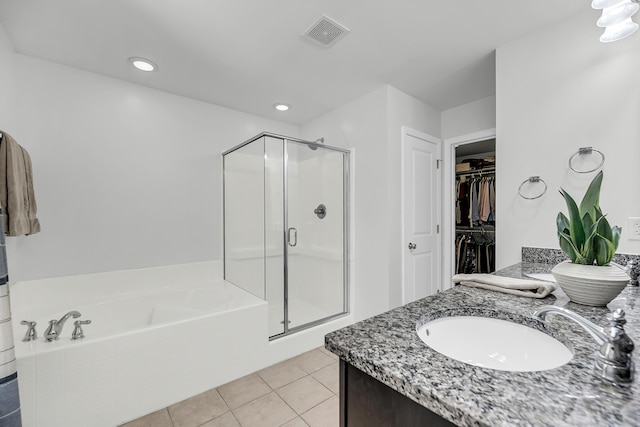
{"points": [[619, 31], [616, 18], [281, 107], [143, 64], [618, 13]]}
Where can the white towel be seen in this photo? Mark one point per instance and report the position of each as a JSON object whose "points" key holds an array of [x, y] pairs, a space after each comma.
{"points": [[521, 287]]}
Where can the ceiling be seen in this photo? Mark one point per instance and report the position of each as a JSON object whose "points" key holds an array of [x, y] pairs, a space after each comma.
{"points": [[249, 54]]}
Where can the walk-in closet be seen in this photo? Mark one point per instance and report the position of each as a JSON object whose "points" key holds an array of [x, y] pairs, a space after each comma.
{"points": [[475, 207]]}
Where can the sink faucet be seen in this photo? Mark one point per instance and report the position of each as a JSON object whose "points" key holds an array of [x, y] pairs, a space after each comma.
{"points": [[613, 361], [55, 326]]}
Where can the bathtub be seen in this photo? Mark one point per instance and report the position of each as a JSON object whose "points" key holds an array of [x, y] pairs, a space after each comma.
{"points": [[157, 336]]}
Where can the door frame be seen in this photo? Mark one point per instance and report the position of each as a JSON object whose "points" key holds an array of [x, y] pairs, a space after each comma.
{"points": [[406, 132], [448, 202]]}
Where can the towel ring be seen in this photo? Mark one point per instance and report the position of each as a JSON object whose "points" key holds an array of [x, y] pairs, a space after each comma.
{"points": [[586, 150], [531, 180]]}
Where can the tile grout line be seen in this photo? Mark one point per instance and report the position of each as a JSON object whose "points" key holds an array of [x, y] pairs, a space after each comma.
{"points": [[230, 411], [287, 403], [170, 417], [319, 403], [329, 398]]}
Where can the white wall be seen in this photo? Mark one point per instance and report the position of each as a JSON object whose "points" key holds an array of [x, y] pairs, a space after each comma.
{"points": [[371, 125], [7, 99], [558, 90], [469, 118], [125, 176]]}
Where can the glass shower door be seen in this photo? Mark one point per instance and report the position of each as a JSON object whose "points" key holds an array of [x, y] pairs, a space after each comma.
{"points": [[314, 237], [286, 228]]}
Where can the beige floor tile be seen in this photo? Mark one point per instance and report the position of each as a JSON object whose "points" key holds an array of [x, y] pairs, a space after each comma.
{"points": [[267, 411], [304, 394], [159, 418], [198, 409], [281, 374], [326, 414], [296, 422], [226, 420], [312, 360], [329, 376], [328, 353], [243, 390]]}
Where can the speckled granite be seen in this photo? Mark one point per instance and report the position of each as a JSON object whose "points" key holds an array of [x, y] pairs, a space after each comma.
{"points": [[556, 256], [388, 348]]}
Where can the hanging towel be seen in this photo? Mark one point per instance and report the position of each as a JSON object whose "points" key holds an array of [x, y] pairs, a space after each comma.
{"points": [[521, 287], [17, 198]]}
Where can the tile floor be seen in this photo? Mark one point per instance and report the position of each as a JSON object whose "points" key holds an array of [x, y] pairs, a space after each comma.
{"points": [[301, 391]]}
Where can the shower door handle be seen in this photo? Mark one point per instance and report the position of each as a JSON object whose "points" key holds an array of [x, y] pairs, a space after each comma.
{"points": [[292, 232]]}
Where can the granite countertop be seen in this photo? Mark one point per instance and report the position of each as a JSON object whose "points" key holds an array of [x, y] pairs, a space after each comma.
{"points": [[388, 348]]}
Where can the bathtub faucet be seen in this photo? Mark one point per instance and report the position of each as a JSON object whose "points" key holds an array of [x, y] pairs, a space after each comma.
{"points": [[55, 326]]}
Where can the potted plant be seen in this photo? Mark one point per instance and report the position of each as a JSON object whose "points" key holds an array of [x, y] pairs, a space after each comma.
{"points": [[590, 243]]}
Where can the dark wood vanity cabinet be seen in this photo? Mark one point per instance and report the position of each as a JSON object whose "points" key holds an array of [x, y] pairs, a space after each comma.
{"points": [[366, 402]]}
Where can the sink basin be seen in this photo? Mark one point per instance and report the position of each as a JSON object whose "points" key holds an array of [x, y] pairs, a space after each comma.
{"points": [[494, 343]]}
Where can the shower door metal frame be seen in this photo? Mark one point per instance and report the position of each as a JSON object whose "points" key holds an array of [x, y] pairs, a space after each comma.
{"points": [[345, 235], [346, 187]]}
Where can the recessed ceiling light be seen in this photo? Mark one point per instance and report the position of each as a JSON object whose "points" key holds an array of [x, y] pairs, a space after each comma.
{"points": [[143, 64], [281, 107]]}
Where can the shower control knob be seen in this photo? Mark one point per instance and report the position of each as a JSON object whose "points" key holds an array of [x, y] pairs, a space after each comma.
{"points": [[412, 246], [320, 211]]}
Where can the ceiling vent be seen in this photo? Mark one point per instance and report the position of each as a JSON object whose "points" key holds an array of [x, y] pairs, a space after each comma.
{"points": [[326, 32]]}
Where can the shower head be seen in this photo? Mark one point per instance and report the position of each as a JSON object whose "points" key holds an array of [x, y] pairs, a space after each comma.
{"points": [[317, 141]]}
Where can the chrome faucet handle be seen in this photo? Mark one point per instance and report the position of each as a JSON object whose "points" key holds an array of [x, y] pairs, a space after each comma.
{"points": [[633, 270], [78, 333], [613, 361], [51, 334], [31, 334]]}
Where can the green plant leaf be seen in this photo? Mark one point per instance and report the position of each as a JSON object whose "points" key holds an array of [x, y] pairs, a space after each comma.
{"points": [[616, 232], [604, 250], [604, 229], [568, 248], [587, 224], [591, 199], [600, 251], [576, 230], [562, 222]]}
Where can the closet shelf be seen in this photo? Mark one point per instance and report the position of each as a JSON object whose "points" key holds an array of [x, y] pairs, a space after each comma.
{"points": [[490, 169]]}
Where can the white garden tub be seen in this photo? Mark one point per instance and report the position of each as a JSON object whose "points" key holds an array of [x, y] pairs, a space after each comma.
{"points": [[157, 336]]}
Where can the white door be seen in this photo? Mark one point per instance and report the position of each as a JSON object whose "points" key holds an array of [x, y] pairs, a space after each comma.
{"points": [[421, 215]]}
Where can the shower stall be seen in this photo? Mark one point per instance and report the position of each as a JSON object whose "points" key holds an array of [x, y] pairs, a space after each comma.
{"points": [[286, 228]]}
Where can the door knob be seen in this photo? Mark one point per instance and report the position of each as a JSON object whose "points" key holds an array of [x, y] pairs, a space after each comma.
{"points": [[412, 246]]}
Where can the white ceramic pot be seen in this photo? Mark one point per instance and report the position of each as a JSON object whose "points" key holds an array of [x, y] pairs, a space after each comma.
{"points": [[590, 284]]}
